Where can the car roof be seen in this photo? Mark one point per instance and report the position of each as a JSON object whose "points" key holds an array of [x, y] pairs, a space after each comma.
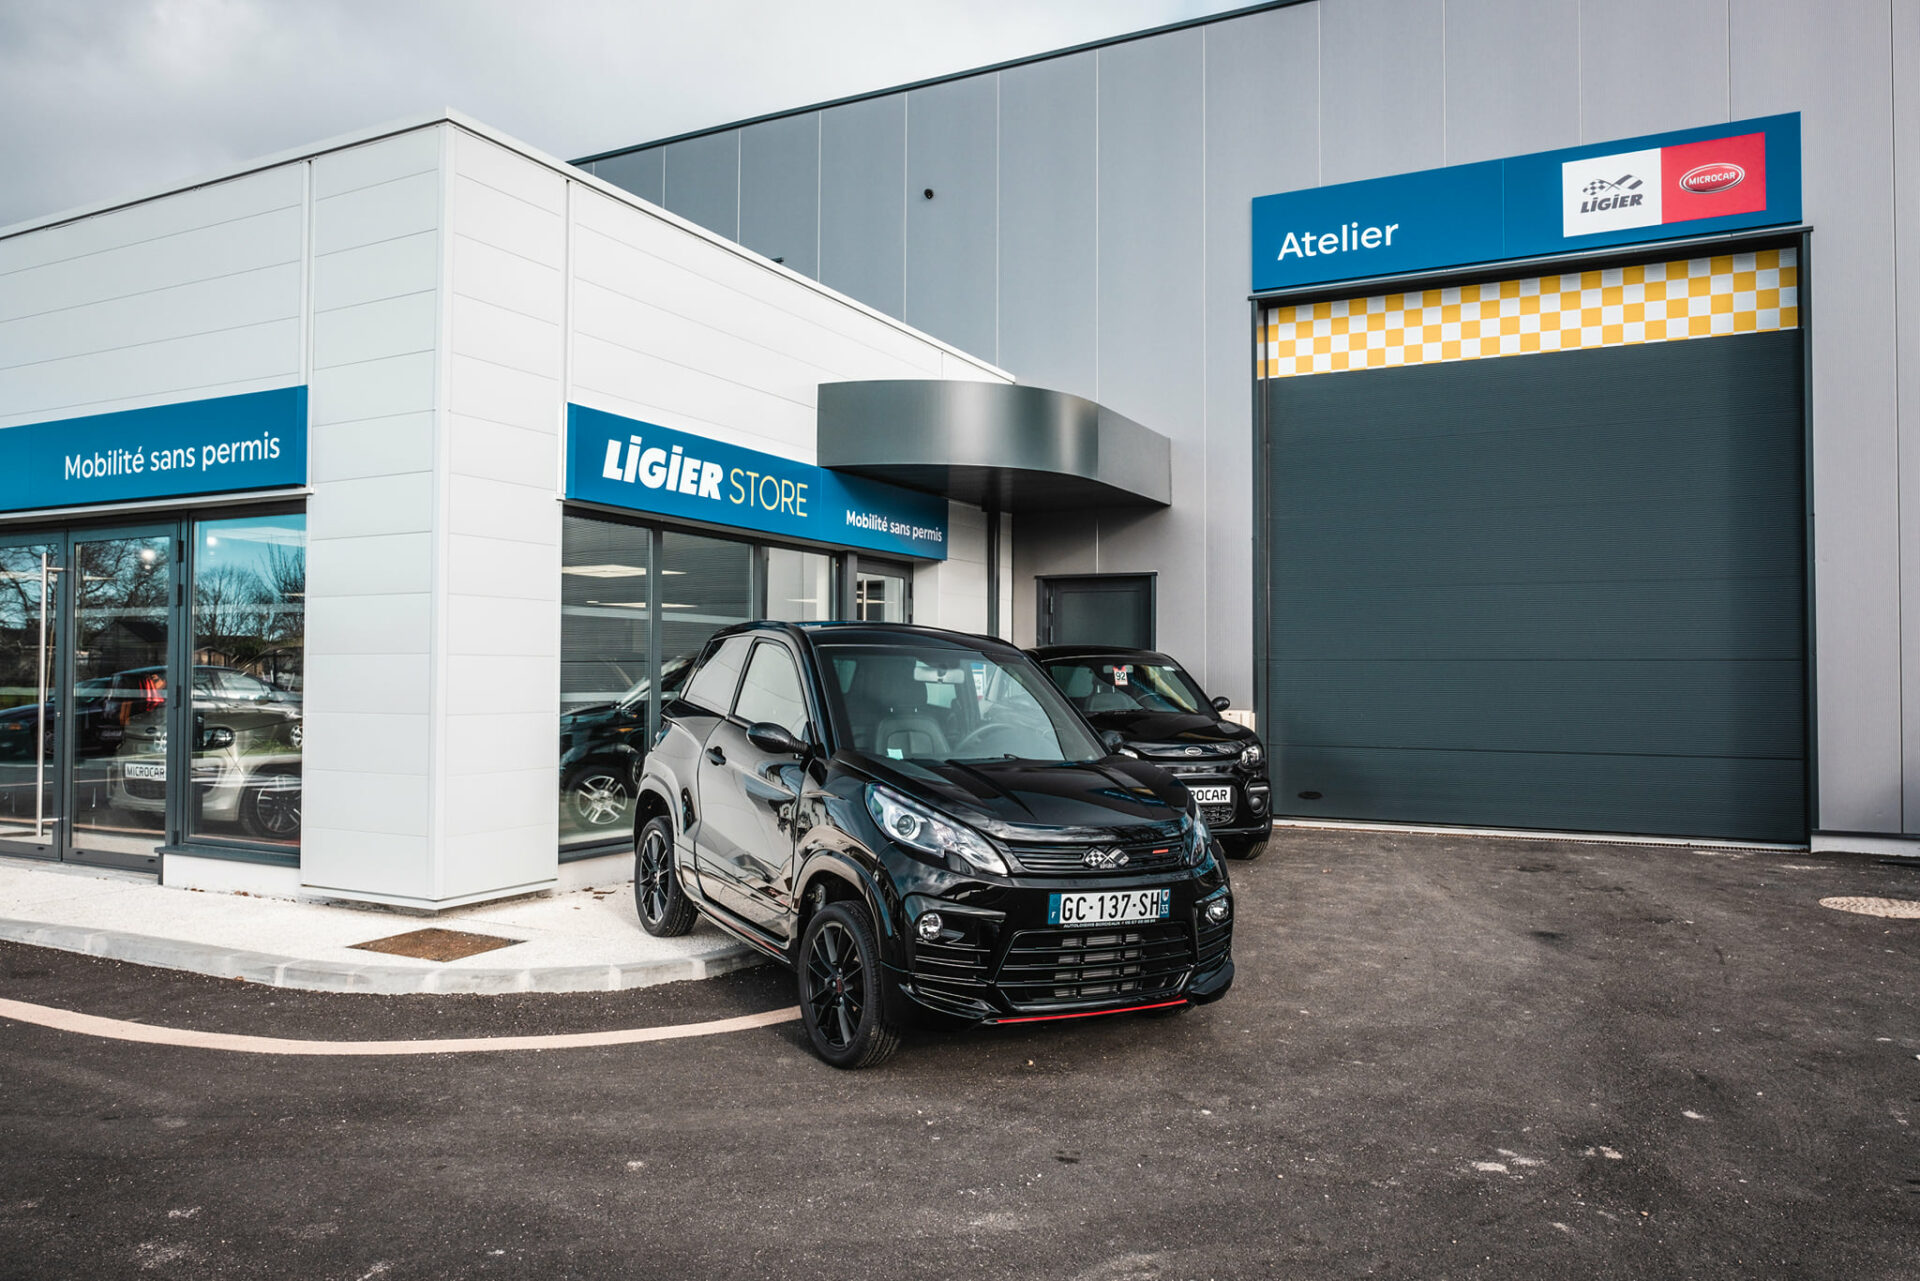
{"points": [[859, 633], [1046, 652]]}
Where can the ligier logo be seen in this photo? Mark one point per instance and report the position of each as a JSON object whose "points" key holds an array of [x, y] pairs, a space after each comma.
{"points": [[1610, 193], [1707, 179], [1601, 194]]}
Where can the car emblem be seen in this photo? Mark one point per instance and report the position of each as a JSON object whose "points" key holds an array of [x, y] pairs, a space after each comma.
{"points": [[1706, 179], [1098, 857], [1195, 751]]}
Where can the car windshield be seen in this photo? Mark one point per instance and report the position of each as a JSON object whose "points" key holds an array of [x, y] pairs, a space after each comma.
{"points": [[1100, 685], [932, 704]]}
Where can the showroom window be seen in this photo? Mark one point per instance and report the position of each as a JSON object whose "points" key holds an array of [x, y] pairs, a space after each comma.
{"points": [[244, 726]]}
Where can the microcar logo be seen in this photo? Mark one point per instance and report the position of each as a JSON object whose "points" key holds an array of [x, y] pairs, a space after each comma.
{"points": [[1704, 180]]}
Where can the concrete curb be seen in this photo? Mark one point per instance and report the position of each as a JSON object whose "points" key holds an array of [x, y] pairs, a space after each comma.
{"points": [[327, 976]]}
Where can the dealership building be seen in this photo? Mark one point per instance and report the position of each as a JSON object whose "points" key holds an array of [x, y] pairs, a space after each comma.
{"points": [[1443, 383]]}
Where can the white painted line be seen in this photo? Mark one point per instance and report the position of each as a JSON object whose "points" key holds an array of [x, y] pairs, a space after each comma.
{"points": [[235, 1043]]}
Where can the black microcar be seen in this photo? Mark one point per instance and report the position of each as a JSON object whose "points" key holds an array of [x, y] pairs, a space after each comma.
{"points": [[922, 828]]}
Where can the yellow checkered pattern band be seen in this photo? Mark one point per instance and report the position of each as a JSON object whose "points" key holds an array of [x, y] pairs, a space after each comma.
{"points": [[1651, 302]]}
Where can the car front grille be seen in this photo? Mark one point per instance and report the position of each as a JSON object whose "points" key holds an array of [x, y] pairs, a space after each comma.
{"points": [[1046, 968], [951, 975], [1071, 859], [145, 789]]}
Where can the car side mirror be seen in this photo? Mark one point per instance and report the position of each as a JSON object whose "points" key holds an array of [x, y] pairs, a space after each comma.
{"points": [[217, 739], [1222, 703], [1112, 739], [775, 739]]}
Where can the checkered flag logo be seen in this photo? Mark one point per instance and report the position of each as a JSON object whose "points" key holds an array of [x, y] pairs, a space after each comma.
{"points": [[1625, 182]]}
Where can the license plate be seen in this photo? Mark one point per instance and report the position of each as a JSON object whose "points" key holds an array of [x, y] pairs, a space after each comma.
{"points": [[1212, 795], [155, 773], [1122, 907]]}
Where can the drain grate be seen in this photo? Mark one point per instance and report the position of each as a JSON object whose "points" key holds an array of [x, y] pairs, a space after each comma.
{"points": [[436, 945], [1899, 909]]}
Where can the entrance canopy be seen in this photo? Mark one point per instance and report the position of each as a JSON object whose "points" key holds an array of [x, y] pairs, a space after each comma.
{"points": [[994, 445]]}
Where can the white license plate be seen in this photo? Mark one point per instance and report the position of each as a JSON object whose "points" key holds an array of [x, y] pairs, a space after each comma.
{"points": [[1123, 907], [156, 772], [1212, 795]]}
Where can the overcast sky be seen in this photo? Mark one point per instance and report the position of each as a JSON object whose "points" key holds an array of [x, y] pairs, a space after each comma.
{"points": [[109, 98]]}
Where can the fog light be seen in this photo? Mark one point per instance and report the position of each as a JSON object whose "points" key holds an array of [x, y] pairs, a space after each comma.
{"points": [[1257, 801], [928, 927], [1216, 911]]}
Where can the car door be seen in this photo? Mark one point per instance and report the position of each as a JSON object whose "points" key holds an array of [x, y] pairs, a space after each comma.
{"points": [[700, 711], [750, 796]]}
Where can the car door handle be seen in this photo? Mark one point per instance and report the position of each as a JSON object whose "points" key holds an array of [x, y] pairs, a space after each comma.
{"points": [[717, 756]]}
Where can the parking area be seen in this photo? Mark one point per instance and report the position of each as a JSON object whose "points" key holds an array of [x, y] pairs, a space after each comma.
{"points": [[1443, 1057]]}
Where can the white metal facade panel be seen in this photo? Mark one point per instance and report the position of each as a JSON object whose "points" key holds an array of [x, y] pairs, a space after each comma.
{"points": [[1906, 135], [1506, 95], [1382, 88], [193, 295], [373, 404]]}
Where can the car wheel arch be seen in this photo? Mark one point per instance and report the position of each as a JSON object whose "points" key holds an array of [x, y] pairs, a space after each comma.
{"points": [[830, 876]]}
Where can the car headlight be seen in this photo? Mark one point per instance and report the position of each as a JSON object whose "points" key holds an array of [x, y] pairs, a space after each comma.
{"points": [[1127, 751], [919, 828], [1253, 755], [1200, 842]]}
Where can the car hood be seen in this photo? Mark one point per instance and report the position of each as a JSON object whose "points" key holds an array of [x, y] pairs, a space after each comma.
{"points": [[1018, 800], [1177, 728]]}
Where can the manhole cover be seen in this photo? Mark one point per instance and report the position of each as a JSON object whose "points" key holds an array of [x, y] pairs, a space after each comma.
{"points": [[1902, 909], [436, 945]]}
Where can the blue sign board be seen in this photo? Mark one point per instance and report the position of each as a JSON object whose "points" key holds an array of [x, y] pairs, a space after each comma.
{"points": [[623, 462], [1687, 183], [218, 446]]}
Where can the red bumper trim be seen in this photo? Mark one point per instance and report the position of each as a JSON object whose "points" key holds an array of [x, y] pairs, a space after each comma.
{"points": [[1090, 1014]]}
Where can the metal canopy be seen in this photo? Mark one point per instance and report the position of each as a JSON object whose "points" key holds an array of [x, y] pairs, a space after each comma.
{"points": [[1000, 446]]}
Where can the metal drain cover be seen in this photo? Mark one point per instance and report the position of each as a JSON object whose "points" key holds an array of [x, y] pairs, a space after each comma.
{"points": [[436, 944], [1899, 909]]}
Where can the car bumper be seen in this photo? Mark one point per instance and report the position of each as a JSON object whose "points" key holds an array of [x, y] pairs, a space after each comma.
{"points": [[1005, 962]]}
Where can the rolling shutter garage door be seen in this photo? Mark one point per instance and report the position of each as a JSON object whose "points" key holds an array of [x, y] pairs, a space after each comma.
{"points": [[1557, 589]]}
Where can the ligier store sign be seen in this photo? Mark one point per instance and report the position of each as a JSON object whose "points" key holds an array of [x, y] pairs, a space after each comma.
{"points": [[223, 445], [623, 462], [1694, 182]]}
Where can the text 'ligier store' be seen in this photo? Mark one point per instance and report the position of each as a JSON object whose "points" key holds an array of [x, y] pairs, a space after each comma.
{"points": [[359, 509]]}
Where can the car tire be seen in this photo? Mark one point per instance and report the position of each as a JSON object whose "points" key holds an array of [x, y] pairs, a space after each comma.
{"points": [[599, 798], [661, 904], [270, 806], [1246, 849], [842, 1004]]}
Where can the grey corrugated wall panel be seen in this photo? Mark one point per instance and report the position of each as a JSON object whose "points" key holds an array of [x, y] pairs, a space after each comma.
{"points": [[1153, 309], [1508, 91], [1049, 543], [641, 172], [780, 190], [951, 274], [1261, 70], [1381, 88], [1829, 61], [703, 181], [862, 200], [1047, 226], [1906, 134], [1499, 582], [1647, 66]]}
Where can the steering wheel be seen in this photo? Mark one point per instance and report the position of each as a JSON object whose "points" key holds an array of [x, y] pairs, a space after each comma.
{"points": [[982, 734]]}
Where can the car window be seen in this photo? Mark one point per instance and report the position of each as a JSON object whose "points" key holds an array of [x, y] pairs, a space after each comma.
{"points": [[241, 685], [712, 686], [1097, 685], [771, 690]]}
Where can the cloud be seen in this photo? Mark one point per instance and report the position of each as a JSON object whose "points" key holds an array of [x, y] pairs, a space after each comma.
{"points": [[111, 98]]}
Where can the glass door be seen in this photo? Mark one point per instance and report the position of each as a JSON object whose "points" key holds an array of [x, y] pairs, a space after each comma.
{"points": [[29, 774], [117, 684]]}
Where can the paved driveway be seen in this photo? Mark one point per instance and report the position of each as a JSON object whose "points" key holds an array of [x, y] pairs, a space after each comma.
{"points": [[1444, 1058]]}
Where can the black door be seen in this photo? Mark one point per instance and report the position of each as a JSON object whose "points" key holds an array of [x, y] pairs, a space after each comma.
{"points": [[1097, 609], [1556, 591], [748, 796]]}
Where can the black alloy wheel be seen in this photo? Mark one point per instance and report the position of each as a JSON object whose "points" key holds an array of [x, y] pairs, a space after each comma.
{"points": [[270, 808], [657, 897], [841, 1003]]}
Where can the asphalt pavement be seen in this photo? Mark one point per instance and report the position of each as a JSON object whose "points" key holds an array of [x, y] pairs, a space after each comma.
{"points": [[1444, 1057]]}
